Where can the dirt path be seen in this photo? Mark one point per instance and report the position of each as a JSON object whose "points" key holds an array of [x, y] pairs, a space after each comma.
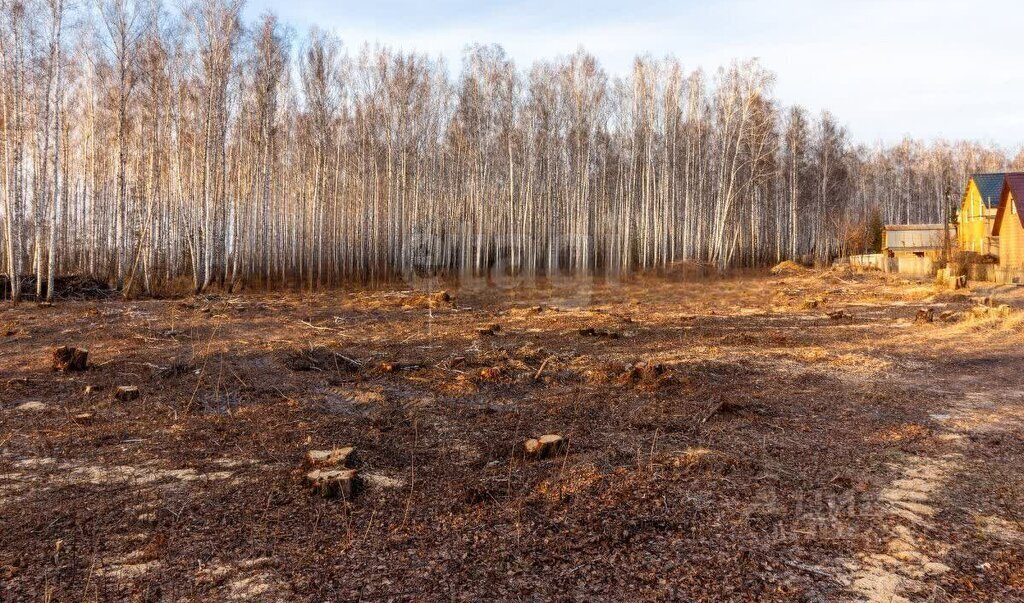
{"points": [[911, 565]]}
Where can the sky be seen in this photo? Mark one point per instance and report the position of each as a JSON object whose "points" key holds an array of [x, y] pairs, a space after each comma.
{"points": [[885, 68]]}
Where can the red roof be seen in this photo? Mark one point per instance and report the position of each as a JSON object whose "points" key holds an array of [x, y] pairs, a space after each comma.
{"points": [[1013, 184]]}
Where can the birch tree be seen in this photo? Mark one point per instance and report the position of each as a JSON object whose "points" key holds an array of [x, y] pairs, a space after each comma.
{"points": [[165, 148]]}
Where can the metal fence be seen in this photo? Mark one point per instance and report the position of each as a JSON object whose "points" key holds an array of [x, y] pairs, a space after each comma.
{"points": [[868, 261]]}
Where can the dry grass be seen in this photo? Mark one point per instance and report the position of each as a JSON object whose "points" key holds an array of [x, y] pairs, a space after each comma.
{"points": [[725, 423], [789, 268]]}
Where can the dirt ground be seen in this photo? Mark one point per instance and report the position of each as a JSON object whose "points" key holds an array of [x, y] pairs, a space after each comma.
{"points": [[728, 440]]}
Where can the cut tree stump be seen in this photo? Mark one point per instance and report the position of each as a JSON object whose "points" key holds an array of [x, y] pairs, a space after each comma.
{"points": [[493, 329], [333, 483], [127, 393], [34, 406], [84, 418], [389, 366], [649, 372], [67, 358], [330, 477], [338, 457], [491, 373], [545, 446]]}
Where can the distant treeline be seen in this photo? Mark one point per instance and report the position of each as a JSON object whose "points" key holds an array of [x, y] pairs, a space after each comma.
{"points": [[144, 146]]}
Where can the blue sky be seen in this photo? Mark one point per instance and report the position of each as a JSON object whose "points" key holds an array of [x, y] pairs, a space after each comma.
{"points": [[924, 68]]}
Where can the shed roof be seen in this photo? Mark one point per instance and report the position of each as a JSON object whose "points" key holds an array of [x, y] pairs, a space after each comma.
{"points": [[990, 185], [891, 227], [917, 237]]}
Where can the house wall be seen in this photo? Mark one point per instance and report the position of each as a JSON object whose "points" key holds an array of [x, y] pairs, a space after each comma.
{"points": [[974, 224], [1011, 238], [912, 264]]}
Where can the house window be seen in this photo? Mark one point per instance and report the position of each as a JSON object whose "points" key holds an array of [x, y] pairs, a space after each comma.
{"points": [[1013, 208]]}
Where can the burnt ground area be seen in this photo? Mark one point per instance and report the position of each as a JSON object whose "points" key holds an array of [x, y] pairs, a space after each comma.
{"points": [[727, 440]]}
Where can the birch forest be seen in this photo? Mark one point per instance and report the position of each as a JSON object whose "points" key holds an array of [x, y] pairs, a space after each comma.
{"points": [[154, 146]]}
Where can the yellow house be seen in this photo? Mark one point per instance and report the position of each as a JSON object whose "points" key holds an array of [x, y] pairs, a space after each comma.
{"points": [[978, 212], [1008, 225]]}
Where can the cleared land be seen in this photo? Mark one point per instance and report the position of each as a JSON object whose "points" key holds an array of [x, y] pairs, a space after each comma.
{"points": [[727, 440]]}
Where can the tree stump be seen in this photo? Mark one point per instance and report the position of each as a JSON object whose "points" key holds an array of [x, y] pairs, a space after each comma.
{"points": [[127, 393], [34, 406], [333, 483], [337, 457], [491, 373], [545, 446], [67, 358], [84, 418], [492, 329]]}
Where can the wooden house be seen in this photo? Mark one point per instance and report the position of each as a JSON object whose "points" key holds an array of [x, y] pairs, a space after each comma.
{"points": [[916, 249], [1008, 224], [977, 214]]}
